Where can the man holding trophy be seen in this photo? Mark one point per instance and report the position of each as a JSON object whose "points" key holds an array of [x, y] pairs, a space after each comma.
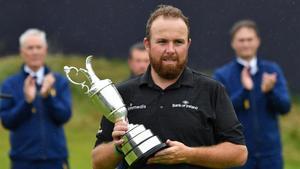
{"points": [[189, 112], [179, 118]]}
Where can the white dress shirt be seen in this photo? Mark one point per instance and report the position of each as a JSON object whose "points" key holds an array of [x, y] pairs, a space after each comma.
{"points": [[38, 74], [252, 64]]}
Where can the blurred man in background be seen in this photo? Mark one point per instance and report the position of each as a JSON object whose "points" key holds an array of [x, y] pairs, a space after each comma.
{"points": [[188, 111], [138, 59], [259, 94], [39, 107]]}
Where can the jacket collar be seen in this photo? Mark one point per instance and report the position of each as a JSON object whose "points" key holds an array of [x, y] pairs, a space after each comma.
{"points": [[252, 64], [259, 64], [26, 73]]}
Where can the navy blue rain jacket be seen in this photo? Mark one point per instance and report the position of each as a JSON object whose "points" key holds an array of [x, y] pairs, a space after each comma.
{"points": [[36, 129], [257, 111]]}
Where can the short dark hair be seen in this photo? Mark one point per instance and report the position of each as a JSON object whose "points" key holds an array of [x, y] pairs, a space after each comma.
{"points": [[243, 24], [137, 46], [166, 11]]}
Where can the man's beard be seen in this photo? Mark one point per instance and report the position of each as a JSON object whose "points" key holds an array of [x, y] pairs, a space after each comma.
{"points": [[165, 71]]}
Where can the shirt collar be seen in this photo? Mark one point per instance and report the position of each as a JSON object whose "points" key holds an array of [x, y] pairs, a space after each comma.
{"points": [[185, 79], [39, 74], [252, 64]]}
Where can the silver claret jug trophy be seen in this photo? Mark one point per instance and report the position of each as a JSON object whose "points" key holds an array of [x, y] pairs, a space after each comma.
{"points": [[139, 143]]}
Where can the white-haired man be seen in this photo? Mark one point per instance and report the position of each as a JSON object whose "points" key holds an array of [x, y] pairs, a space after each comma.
{"points": [[40, 105]]}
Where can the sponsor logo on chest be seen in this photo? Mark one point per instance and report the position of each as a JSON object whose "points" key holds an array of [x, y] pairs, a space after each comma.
{"points": [[184, 104], [136, 107]]}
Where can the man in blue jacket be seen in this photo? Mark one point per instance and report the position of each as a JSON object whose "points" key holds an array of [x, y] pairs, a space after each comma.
{"points": [[259, 93], [39, 107]]}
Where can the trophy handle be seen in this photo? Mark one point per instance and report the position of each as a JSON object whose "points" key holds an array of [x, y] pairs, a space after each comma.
{"points": [[68, 69]]}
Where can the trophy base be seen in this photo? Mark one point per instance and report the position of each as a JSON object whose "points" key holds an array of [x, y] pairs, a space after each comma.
{"points": [[140, 144], [141, 161]]}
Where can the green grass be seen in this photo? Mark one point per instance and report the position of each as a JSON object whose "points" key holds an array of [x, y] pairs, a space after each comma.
{"points": [[84, 124], [290, 130]]}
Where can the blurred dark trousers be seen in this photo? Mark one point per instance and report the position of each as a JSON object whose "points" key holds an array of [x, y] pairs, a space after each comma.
{"points": [[40, 164]]}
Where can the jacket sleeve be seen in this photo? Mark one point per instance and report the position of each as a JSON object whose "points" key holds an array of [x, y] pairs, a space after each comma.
{"points": [[59, 102], [238, 97], [13, 111], [278, 99]]}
